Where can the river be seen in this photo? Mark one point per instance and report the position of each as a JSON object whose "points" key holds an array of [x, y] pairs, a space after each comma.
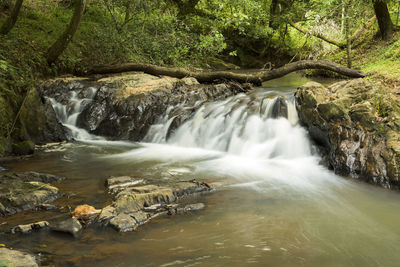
{"points": [[275, 204]]}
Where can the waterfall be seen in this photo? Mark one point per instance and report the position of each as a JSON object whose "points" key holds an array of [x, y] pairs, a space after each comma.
{"points": [[259, 125], [67, 111], [252, 138]]}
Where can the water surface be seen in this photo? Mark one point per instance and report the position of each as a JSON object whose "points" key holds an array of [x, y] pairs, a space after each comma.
{"points": [[275, 205]]}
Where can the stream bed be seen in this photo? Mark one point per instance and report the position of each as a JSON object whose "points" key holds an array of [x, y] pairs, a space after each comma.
{"points": [[275, 204]]}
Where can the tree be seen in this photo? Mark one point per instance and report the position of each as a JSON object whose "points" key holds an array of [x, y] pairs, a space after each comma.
{"points": [[384, 21], [347, 28], [62, 42], [12, 19]]}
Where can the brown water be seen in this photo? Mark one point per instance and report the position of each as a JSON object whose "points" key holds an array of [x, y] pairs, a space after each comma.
{"points": [[275, 211]]}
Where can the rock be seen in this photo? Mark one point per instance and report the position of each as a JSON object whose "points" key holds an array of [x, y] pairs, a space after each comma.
{"points": [[26, 191], [123, 223], [48, 207], [194, 207], [38, 121], [358, 125], [135, 205], [23, 148], [9, 257], [279, 109], [27, 228], [126, 105], [115, 184], [71, 226]]}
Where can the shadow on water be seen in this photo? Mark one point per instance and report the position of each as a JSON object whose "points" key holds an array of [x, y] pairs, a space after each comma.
{"points": [[275, 205]]}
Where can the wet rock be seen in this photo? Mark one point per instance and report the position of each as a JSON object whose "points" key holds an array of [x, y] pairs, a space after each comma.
{"points": [[279, 109], [48, 207], [9, 257], [115, 184], [135, 205], [26, 191], [71, 226], [126, 105], [123, 223], [27, 228], [194, 207], [38, 121], [357, 123], [23, 148]]}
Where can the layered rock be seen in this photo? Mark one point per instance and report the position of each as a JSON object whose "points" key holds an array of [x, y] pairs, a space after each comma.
{"points": [[357, 123], [136, 202], [26, 191], [126, 105], [9, 257]]}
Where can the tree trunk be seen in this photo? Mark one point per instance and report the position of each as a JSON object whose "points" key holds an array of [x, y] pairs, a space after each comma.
{"points": [[348, 40], [273, 10], [341, 45], [342, 17], [12, 19], [318, 35], [62, 42], [384, 20], [211, 76], [348, 43], [127, 11]]}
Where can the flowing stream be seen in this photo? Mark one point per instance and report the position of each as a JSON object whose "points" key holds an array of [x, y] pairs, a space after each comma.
{"points": [[275, 204]]}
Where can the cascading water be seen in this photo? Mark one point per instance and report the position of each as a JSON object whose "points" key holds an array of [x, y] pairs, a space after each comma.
{"points": [[240, 125], [68, 112], [275, 205], [252, 136]]}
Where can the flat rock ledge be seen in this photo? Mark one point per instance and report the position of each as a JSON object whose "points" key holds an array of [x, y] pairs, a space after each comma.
{"points": [[136, 202], [357, 123], [9, 257], [26, 191]]}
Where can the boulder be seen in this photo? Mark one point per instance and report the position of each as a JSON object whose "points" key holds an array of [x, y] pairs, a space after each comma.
{"points": [[358, 125], [23, 148], [9, 257], [38, 121], [26, 191], [70, 226], [136, 204]]}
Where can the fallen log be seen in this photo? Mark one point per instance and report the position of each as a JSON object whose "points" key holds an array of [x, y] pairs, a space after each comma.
{"points": [[210, 76]]}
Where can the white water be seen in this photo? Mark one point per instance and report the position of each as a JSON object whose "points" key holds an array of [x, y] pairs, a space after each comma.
{"points": [[68, 113], [276, 206], [235, 138]]}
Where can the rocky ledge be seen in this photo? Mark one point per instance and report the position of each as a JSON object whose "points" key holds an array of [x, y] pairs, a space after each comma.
{"points": [[357, 123], [26, 191], [136, 202], [124, 106]]}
